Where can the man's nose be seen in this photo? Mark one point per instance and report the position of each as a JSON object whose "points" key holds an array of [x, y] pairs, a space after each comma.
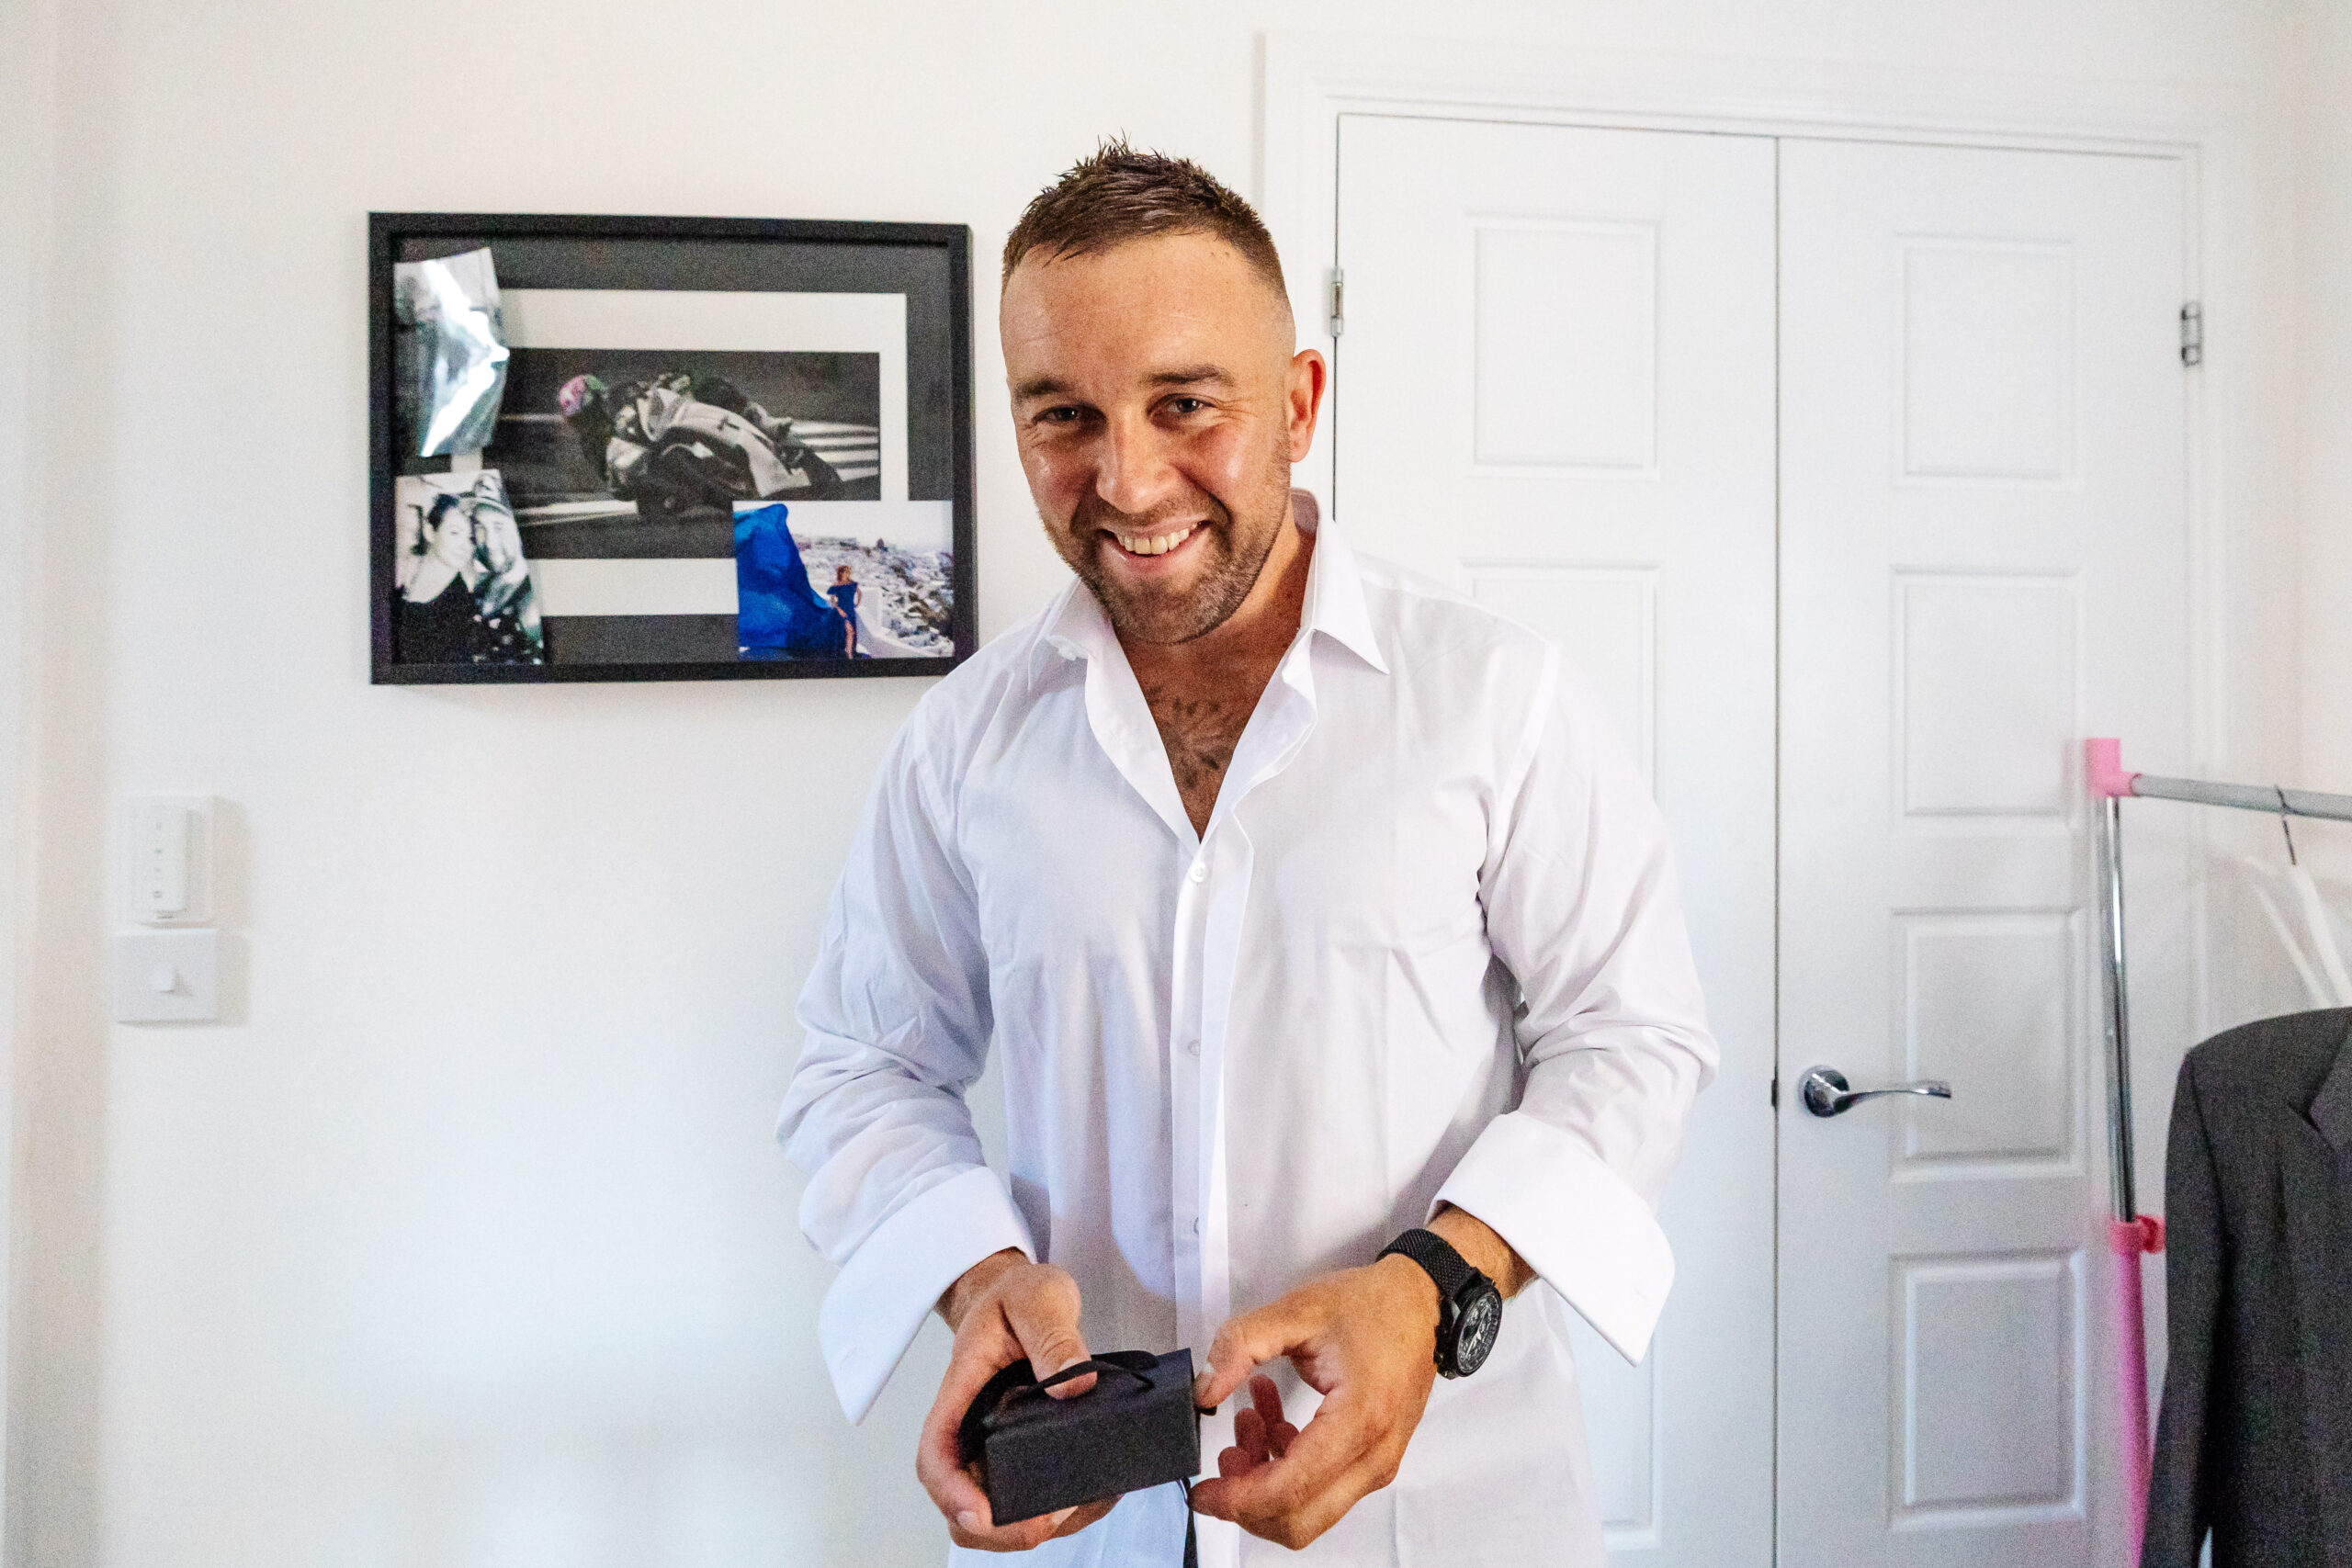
{"points": [[1133, 474]]}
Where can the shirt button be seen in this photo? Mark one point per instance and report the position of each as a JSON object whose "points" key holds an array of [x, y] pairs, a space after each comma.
{"points": [[1200, 872], [1191, 1047]]}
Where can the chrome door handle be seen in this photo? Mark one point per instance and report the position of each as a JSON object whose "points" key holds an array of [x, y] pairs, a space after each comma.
{"points": [[1825, 1091]]}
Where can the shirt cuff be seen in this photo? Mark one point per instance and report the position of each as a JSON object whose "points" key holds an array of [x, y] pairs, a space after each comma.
{"points": [[897, 1274], [1573, 1220]]}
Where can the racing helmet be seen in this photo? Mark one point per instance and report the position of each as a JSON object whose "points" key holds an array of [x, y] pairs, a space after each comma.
{"points": [[578, 393]]}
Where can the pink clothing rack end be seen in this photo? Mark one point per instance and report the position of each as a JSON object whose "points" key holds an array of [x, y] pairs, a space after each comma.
{"points": [[2103, 769], [2127, 1242]]}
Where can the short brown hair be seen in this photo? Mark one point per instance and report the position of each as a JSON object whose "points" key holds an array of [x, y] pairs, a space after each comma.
{"points": [[1119, 194]]}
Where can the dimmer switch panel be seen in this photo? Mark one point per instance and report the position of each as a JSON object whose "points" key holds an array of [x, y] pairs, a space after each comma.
{"points": [[168, 854]]}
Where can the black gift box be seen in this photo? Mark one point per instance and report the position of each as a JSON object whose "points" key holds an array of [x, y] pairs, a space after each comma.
{"points": [[1135, 1428]]}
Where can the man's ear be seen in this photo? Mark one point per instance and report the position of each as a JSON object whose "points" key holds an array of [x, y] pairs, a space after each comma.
{"points": [[1308, 378]]}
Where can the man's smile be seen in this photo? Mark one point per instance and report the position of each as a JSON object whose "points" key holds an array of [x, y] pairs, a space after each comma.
{"points": [[1147, 547]]}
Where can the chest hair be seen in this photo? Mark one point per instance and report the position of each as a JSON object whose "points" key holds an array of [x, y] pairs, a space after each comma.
{"points": [[1200, 728]]}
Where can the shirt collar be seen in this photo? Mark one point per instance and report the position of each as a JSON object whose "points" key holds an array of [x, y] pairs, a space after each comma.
{"points": [[1335, 605], [1076, 628]]}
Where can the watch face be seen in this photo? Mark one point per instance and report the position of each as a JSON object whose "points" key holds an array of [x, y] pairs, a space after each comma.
{"points": [[1475, 1331]]}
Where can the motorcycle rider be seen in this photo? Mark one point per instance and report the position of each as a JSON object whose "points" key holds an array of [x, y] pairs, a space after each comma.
{"points": [[680, 441]]}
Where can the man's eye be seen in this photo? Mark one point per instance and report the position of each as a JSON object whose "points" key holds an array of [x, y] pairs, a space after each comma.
{"points": [[1062, 415], [1185, 405]]}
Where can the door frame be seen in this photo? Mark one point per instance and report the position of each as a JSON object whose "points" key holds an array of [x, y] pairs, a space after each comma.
{"points": [[28, 71], [1308, 80]]}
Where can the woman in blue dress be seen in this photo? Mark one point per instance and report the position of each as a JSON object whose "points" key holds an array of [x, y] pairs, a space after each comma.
{"points": [[843, 594]]}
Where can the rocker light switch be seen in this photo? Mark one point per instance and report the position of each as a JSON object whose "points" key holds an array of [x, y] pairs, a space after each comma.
{"points": [[167, 977]]}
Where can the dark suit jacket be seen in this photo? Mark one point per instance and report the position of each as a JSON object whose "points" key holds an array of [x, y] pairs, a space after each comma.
{"points": [[2255, 1438]]}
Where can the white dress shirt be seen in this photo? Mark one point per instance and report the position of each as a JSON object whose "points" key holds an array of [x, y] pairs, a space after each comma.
{"points": [[1429, 949]]}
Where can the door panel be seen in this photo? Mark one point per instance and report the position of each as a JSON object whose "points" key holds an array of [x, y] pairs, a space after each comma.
{"points": [[1983, 549], [1556, 393]]}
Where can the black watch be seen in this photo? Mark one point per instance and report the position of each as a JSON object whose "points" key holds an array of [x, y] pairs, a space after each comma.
{"points": [[1469, 1308]]}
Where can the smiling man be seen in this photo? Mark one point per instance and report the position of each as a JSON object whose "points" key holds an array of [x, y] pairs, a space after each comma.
{"points": [[1329, 938]]}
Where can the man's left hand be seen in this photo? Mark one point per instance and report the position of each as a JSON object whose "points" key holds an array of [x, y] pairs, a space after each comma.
{"points": [[1365, 1339]]}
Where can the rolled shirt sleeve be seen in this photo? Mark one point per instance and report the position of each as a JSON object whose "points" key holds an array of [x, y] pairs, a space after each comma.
{"points": [[1582, 905], [897, 1014]]}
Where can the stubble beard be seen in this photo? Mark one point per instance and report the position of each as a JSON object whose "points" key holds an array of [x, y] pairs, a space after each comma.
{"points": [[1232, 557]]}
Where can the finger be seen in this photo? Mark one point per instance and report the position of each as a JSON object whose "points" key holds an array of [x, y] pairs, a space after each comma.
{"points": [[1249, 1434], [974, 1532], [1279, 1438], [939, 1463], [968, 1372], [1043, 1319], [1078, 1519], [1266, 1400], [976, 1528], [1238, 1461], [959, 1498], [956, 1491], [1253, 1338]]}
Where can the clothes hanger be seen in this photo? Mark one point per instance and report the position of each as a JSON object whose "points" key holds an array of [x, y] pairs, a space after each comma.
{"points": [[2317, 923], [2314, 988]]}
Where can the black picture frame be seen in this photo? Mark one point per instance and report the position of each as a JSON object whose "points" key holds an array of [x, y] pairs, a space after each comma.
{"points": [[929, 264]]}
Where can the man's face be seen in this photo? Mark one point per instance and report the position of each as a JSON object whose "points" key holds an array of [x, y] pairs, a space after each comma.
{"points": [[1159, 407]]}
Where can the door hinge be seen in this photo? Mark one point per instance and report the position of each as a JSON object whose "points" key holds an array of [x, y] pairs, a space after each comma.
{"points": [[1339, 301], [2192, 334]]}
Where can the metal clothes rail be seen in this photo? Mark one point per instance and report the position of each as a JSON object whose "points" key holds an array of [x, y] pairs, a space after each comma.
{"points": [[2269, 799], [2130, 1233], [2110, 785]]}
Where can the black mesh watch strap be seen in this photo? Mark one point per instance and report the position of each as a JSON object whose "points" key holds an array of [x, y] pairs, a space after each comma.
{"points": [[1437, 1257]]}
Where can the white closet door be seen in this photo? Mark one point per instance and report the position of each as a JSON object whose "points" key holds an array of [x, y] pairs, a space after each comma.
{"points": [[1984, 551], [1555, 390]]}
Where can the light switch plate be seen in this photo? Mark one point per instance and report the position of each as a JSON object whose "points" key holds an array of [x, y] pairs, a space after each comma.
{"points": [[163, 976]]}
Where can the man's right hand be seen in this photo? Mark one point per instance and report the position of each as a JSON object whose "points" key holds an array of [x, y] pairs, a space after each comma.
{"points": [[1002, 1309]]}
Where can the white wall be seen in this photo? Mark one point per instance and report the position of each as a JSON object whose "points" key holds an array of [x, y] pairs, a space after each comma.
{"points": [[2321, 31], [464, 1242]]}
